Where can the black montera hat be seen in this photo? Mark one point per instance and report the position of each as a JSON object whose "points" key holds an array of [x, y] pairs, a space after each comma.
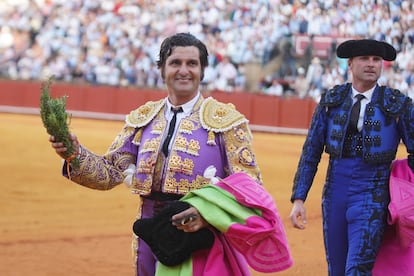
{"points": [[170, 245], [366, 47]]}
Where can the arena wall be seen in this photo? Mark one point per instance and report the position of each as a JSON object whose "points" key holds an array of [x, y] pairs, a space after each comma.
{"points": [[265, 113]]}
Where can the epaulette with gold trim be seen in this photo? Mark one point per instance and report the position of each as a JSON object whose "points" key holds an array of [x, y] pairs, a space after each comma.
{"points": [[144, 114], [219, 117]]}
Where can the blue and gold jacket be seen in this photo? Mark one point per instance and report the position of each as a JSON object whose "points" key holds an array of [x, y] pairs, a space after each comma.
{"points": [[388, 120]]}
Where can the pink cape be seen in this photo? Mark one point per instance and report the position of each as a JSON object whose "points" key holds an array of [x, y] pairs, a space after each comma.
{"points": [[396, 255], [260, 239]]}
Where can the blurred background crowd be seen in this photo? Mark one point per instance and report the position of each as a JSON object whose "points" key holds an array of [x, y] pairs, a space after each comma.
{"points": [[252, 43]]}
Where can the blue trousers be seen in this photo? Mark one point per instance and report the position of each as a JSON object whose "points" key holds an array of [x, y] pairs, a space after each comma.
{"points": [[354, 209]]}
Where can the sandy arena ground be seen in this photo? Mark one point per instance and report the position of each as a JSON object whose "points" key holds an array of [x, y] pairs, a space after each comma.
{"points": [[50, 226]]}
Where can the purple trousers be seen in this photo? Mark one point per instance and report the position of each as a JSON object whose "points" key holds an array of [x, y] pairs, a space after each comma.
{"points": [[146, 262]]}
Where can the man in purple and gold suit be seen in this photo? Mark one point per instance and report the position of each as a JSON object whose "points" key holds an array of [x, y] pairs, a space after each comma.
{"points": [[206, 133]]}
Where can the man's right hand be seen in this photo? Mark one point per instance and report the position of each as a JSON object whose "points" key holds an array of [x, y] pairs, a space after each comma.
{"points": [[298, 214], [61, 149]]}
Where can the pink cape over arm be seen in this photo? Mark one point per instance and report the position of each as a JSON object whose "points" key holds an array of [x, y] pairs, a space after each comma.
{"points": [[260, 240], [248, 230], [396, 255]]}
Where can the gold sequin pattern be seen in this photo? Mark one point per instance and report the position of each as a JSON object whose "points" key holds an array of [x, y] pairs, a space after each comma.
{"points": [[178, 165], [246, 157], [187, 166], [180, 144], [146, 165], [138, 186], [184, 186], [187, 126], [144, 114], [211, 140], [137, 137], [193, 147], [219, 116], [98, 173], [120, 139], [159, 127], [239, 152], [150, 145], [241, 134]]}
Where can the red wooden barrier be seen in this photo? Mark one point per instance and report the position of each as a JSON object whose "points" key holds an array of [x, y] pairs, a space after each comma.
{"points": [[261, 110]]}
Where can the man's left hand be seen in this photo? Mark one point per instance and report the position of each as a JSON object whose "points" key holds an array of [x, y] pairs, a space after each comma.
{"points": [[189, 220]]}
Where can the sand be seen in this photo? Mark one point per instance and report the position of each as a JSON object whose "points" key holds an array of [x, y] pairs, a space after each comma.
{"points": [[51, 226]]}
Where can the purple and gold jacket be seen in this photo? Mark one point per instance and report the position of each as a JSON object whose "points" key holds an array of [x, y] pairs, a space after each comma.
{"points": [[213, 134]]}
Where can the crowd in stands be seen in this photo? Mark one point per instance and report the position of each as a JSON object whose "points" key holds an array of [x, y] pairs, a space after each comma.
{"points": [[116, 42]]}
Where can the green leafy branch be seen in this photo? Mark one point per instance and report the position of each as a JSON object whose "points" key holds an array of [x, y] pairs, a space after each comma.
{"points": [[56, 120]]}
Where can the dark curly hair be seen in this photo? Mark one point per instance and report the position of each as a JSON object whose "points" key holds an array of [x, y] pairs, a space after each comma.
{"points": [[182, 39]]}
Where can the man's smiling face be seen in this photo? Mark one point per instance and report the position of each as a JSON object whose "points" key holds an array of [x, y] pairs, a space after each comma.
{"points": [[182, 74]]}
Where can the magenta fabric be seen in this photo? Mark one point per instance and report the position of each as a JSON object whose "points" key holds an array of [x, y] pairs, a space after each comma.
{"points": [[396, 255], [402, 201], [261, 240], [221, 260]]}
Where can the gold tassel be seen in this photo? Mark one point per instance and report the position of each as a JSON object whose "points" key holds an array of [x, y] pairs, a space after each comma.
{"points": [[211, 138], [137, 137]]}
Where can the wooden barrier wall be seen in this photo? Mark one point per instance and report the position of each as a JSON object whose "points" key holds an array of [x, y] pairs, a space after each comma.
{"points": [[264, 111]]}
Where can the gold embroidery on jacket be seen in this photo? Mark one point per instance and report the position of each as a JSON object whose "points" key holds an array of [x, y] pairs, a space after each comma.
{"points": [[142, 187], [178, 165], [187, 167], [95, 173], [159, 127], [137, 137], [146, 165], [144, 114], [194, 147], [150, 145], [120, 139], [217, 119], [174, 162], [184, 186], [211, 140], [180, 144], [191, 147], [220, 117], [186, 126], [241, 134], [246, 157], [239, 151]]}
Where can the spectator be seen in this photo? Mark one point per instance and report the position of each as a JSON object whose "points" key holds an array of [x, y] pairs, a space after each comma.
{"points": [[301, 84], [276, 89], [245, 31], [314, 73], [226, 75], [287, 63]]}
